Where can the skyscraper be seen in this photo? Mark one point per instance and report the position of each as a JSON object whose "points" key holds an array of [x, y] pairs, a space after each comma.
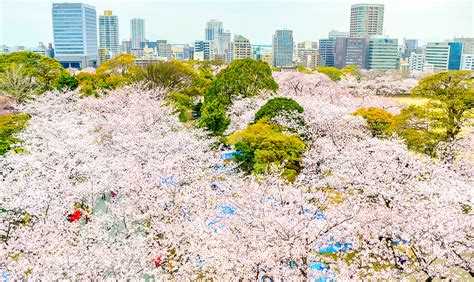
{"points": [[382, 54], [455, 52], [213, 29], [327, 52], [366, 20], [109, 33], [137, 32], [75, 34], [241, 48], [467, 44], [283, 48]]}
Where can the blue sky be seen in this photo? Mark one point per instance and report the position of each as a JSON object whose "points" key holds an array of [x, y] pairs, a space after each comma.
{"points": [[26, 22]]}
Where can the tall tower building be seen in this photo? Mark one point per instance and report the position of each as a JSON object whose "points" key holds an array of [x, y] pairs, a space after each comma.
{"points": [[75, 34], [213, 29], [109, 33], [455, 53], [137, 32], [366, 20], [283, 48]]}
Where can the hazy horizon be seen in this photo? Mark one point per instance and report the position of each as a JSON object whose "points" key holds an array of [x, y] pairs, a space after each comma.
{"points": [[27, 22]]}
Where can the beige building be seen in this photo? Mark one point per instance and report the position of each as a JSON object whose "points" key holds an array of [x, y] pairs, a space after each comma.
{"points": [[241, 48]]}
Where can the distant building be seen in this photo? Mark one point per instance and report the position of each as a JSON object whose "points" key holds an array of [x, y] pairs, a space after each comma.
{"points": [[202, 47], [127, 46], [327, 52], [50, 50], [366, 20], [241, 48], [283, 48], [223, 41], [334, 34], [467, 62], [41, 49], [268, 58], [351, 51], [382, 54], [468, 44], [410, 46], [437, 54], [75, 34], [163, 49], [109, 34], [137, 32], [213, 29], [102, 52], [455, 52], [416, 62], [307, 54]]}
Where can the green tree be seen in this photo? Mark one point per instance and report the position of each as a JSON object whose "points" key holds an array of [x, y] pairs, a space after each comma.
{"points": [[453, 93], [419, 128], [174, 75], [122, 65], [276, 106], [45, 71], [352, 70], [333, 73], [262, 145], [17, 84], [10, 124], [67, 81], [245, 77], [378, 120], [214, 118]]}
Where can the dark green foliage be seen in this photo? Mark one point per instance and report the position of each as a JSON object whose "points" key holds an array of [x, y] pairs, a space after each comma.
{"points": [[215, 118], [246, 77], [67, 81], [10, 124], [276, 106]]}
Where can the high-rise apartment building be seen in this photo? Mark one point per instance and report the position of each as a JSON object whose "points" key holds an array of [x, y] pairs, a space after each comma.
{"points": [[283, 48], [455, 52], [327, 52], [241, 48], [109, 34], [75, 34], [382, 54], [437, 54], [366, 20], [351, 51], [137, 32]]}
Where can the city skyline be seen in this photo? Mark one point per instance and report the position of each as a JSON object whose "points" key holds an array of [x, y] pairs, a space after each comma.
{"points": [[313, 22]]}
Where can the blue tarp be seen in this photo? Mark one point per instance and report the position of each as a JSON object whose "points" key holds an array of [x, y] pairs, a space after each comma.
{"points": [[230, 155], [337, 247]]}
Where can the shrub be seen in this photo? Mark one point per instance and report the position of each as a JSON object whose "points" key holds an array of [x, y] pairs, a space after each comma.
{"points": [[67, 81]]}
